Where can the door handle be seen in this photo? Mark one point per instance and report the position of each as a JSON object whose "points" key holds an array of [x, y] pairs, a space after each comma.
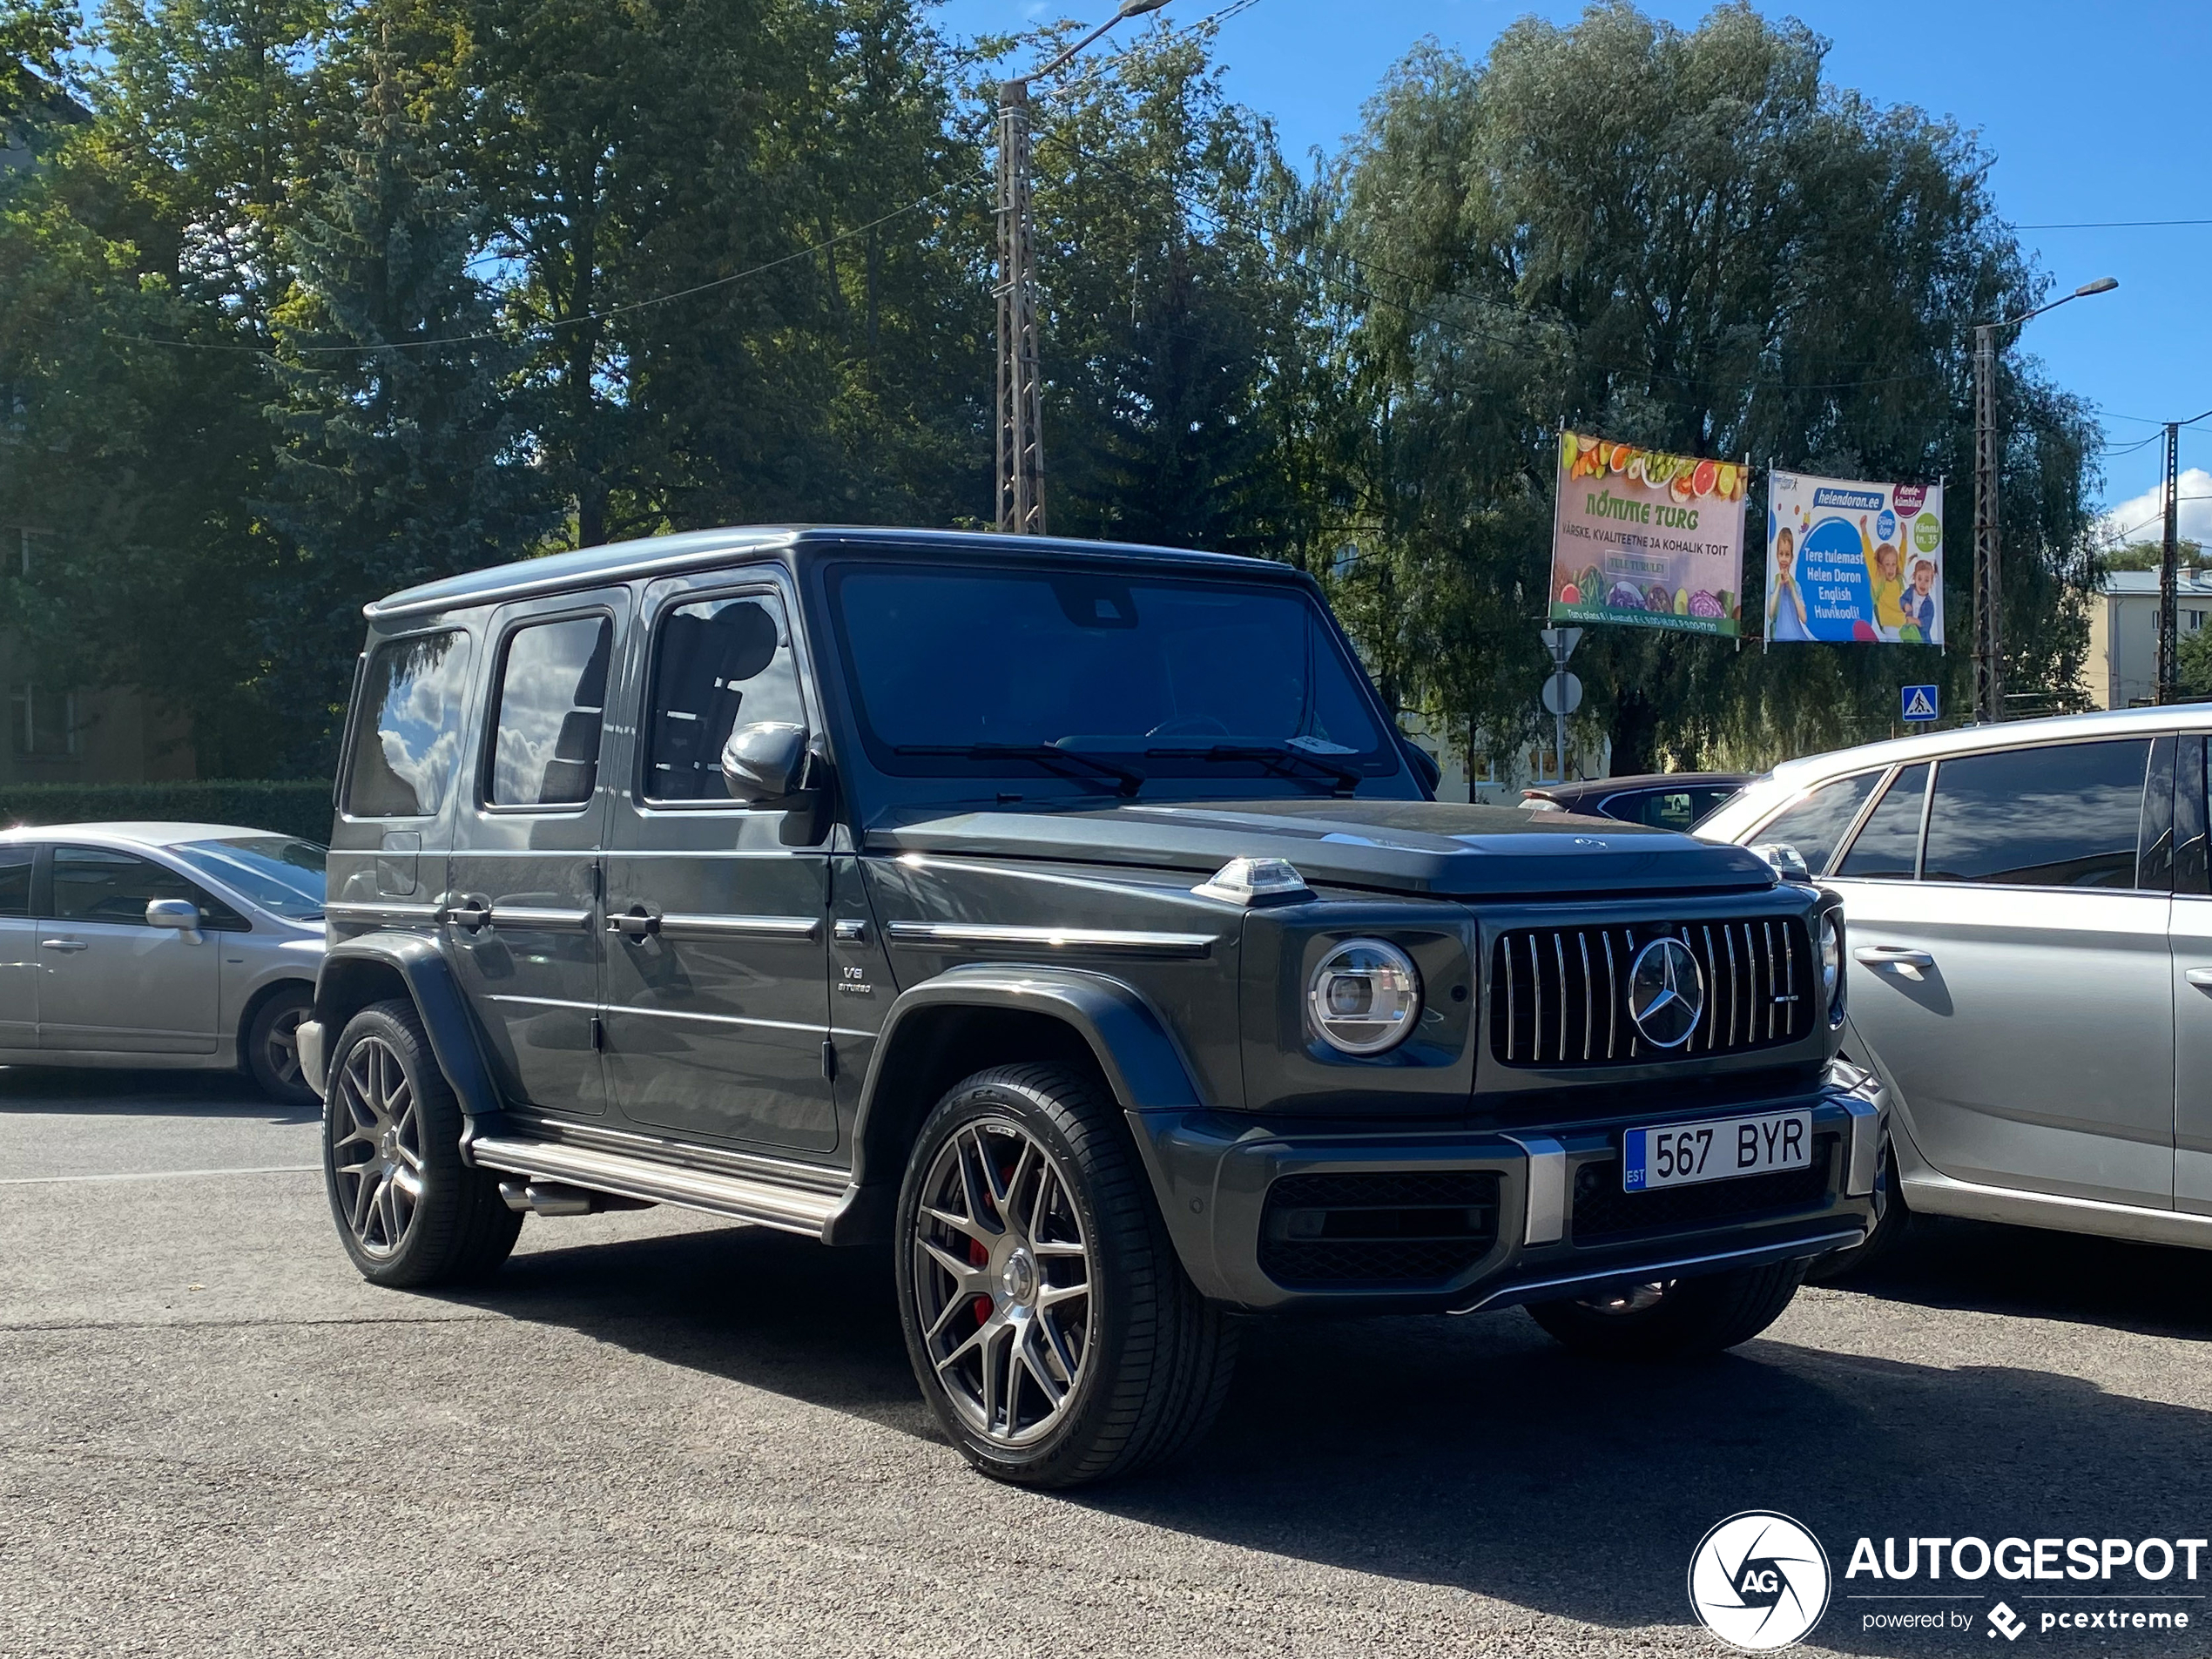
{"points": [[1902, 957], [635, 923], [63, 944], [471, 913], [2199, 976]]}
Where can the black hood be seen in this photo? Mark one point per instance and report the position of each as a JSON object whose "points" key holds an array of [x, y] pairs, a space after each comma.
{"points": [[1384, 846]]}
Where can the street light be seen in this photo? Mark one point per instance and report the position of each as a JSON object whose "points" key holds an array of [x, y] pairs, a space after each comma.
{"points": [[1989, 627], [1020, 394]]}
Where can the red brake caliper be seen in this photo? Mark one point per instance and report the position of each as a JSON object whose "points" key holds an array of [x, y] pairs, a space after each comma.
{"points": [[978, 1257]]}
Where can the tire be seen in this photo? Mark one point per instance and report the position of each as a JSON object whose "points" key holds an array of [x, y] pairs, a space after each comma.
{"points": [[1683, 1319], [391, 1122], [273, 1045], [1089, 1277], [1889, 1227]]}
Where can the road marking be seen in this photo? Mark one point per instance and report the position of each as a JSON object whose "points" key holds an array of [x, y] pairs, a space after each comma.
{"points": [[160, 1175]]}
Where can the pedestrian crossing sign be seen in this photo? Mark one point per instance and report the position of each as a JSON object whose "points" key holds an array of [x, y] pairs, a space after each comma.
{"points": [[1919, 702]]}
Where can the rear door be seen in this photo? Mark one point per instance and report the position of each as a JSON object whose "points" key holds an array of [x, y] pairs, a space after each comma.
{"points": [[18, 949], [2192, 937], [2011, 966], [110, 984]]}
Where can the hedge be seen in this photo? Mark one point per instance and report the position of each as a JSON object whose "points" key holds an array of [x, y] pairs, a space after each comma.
{"points": [[294, 807]]}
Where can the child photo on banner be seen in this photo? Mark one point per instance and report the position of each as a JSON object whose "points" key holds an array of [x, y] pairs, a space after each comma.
{"points": [[1849, 561]]}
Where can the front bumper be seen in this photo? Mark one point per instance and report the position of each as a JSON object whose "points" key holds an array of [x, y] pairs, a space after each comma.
{"points": [[1523, 1193], [311, 1056]]}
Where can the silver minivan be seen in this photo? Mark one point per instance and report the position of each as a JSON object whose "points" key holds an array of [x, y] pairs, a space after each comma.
{"points": [[2030, 925]]}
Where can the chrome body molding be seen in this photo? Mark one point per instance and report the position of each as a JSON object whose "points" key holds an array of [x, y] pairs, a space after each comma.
{"points": [[1075, 941], [675, 925], [670, 1149], [1929, 1191], [768, 1203], [521, 915], [382, 910], [1551, 1290]]}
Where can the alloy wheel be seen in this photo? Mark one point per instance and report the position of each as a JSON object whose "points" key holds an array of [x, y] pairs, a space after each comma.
{"points": [[376, 1151], [280, 1048], [1002, 1282]]}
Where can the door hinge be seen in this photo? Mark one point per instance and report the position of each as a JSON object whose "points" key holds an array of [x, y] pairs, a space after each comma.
{"points": [[829, 1058], [598, 1033]]}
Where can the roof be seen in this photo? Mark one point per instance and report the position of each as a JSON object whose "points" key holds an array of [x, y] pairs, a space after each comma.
{"points": [[698, 549], [2197, 584], [146, 834], [1646, 780], [2061, 728]]}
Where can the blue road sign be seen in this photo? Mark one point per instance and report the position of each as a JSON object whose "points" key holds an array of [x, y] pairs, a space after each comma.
{"points": [[1920, 703]]}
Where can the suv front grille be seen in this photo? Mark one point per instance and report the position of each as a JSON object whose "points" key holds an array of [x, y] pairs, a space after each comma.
{"points": [[1603, 1210], [1559, 996], [1403, 1229]]}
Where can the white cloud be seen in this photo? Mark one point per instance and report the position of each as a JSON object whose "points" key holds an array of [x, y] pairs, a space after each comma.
{"points": [[2142, 518]]}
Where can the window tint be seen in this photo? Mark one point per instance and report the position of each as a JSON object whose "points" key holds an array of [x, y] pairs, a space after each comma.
{"points": [[1886, 848], [2065, 816], [14, 879], [552, 700], [1672, 809], [1815, 825], [93, 884], [408, 729], [718, 663], [2190, 871]]}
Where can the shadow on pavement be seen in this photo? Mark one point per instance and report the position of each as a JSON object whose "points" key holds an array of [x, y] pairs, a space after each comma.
{"points": [[94, 1089], [1472, 1453]]}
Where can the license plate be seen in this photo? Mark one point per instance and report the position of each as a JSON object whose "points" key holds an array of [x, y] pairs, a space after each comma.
{"points": [[1681, 1155]]}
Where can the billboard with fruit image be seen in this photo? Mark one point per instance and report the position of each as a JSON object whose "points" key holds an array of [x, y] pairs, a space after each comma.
{"points": [[1642, 537], [1851, 561]]}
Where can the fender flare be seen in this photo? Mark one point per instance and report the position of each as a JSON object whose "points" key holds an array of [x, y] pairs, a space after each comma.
{"points": [[421, 965]]}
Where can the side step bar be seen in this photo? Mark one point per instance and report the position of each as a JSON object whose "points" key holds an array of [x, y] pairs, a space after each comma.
{"points": [[792, 1210]]}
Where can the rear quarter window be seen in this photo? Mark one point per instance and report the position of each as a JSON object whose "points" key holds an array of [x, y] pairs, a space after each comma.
{"points": [[406, 732]]}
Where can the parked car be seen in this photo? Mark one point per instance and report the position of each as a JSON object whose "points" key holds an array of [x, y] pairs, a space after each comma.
{"points": [[1072, 919], [1674, 800], [163, 946], [2031, 931]]}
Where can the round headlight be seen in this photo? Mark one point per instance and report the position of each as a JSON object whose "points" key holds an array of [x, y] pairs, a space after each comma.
{"points": [[1832, 966], [1365, 996]]}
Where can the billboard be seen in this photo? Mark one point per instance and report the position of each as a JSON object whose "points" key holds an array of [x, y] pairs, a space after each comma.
{"points": [[1645, 537], [1850, 561]]}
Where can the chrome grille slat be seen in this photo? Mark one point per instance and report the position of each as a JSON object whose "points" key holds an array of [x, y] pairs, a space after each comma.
{"points": [[1753, 963]]}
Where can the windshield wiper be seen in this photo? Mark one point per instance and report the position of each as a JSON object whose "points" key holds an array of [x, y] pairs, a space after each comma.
{"points": [[1068, 763], [1346, 778]]}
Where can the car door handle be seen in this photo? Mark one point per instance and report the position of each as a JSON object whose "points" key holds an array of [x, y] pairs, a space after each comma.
{"points": [[634, 924], [468, 912], [63, 944], [1894, 956], [2199, 976]]}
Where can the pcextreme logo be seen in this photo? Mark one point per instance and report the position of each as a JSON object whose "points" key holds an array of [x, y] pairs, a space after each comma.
{"points": [[1759, 1581]]}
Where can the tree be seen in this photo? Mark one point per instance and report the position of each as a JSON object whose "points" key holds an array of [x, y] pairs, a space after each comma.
{"points": [[1686, 239]]}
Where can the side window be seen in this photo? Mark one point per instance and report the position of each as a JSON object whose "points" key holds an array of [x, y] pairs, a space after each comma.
{"points": [[552, 703], [1888, 847], [2191, 871], [2066, 815], [14, 879], [407, 729], [1816, 825], [98, 884], [718, 664]]}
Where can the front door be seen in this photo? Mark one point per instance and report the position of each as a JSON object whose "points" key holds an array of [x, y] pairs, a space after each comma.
{"points": [[521, 902], [108, 983], [2018, 982], [717, 1000]]}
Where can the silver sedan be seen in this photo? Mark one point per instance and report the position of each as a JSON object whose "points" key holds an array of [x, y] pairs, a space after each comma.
{"points": [[2029, 919], [190, 946]]}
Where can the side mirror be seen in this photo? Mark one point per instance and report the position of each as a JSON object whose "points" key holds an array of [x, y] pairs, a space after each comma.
{"points": [[181, 913], [1787, 862], [764, 761]]}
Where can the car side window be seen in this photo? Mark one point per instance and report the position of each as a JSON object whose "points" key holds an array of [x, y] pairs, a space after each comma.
{"points": [[1887, 848], [99, 884], [552, 706], [14, 879], [2062, 815], [408, 728], [2191, 874], [1817, 825], [718, 664]]}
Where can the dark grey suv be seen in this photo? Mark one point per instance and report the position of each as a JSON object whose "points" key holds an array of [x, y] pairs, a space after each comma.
{"points": [[1073, 920]]}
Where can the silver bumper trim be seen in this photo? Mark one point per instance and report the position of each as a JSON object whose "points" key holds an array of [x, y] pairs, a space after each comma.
{"points": [[1639, 1272], [1546, 1222], [310, 1039]]}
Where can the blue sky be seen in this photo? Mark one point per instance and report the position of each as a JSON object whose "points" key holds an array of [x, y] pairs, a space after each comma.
{"points": [[2089, 120]]}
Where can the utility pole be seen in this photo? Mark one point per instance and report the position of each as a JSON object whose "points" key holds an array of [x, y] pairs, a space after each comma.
{"points": [[2170, 631], [1989, 588], [1020, 394]]}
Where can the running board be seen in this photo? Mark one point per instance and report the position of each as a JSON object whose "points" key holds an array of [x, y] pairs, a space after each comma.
{"points": [[769, 1203]]}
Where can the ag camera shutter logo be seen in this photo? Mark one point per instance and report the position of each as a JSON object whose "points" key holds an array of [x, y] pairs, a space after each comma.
{"points": [[1759, 1581]]}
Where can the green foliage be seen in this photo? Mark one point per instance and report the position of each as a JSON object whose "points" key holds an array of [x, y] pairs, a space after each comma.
{"points": [[293, 808], [2193, 663], [2149, 556]]}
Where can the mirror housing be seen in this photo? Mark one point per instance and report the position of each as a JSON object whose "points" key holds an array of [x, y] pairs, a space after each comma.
{"points": [[1785, 860], [764, 761], [181, 913]]}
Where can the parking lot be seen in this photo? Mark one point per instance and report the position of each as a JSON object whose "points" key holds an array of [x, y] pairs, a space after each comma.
{"points": [[659, 1433]]}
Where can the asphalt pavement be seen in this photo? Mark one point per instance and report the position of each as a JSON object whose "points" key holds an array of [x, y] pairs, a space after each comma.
{"points": [[661, 1433]]}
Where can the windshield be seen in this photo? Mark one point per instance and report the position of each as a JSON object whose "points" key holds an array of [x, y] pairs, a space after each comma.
{"points": [[277, 872], [970, 673]]}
